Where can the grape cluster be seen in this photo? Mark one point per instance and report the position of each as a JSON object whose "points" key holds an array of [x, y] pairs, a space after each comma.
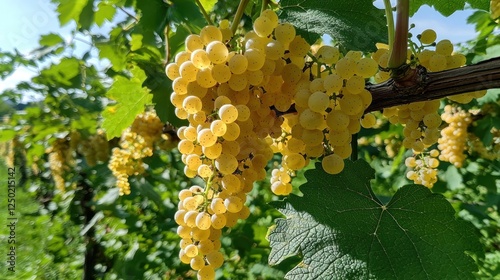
{"points": [[494, 9], [490, 152], [136, 143], [95, 149], [453, 140], [423, 168], [60, 160], [237, 103]]}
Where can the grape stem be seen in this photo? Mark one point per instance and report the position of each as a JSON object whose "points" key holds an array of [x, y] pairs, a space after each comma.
{"points": [[420, 85], [400, 44], [204, 12], [264, 5], [390, 23], [238, 15]]}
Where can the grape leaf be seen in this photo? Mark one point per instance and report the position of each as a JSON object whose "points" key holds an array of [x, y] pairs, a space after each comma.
{"points": [[355, 25], [104, 12], [342, 231], [70, 10], [131, 97], [447, 7]]}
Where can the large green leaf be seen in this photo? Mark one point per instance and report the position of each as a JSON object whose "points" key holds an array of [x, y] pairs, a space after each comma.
{"points": [[70, 10], [131, 97], [447, 7], [342, 231], [355, 25]]}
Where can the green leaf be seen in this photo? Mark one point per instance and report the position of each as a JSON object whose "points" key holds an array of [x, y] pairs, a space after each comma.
{"points": [[50, 40], [355, 25], [70, 10], [342, 231], [131, 97], [136, 42], [208, 5], [104, 12], [447, 7], [7, 135], [115, 52], [60, 73]]}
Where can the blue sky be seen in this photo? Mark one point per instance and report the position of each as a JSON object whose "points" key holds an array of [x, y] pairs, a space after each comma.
{"points": [[22, 23]]}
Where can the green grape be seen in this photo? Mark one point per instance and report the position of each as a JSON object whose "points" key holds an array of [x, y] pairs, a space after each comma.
{"points": [[206, 138], [444, 47], [205, 171], [200, 59], [218, 128], [217, 205], [272, 16], [312, 137], [172, 71], [197, 263], [238, 64], [217, 52], [193, 42], [204, 78], [368, 121], [346, 67], [332, 164], [219, 220], [366, 67], [232, 132], [291, 73], [437, 63], [428, 36], [193, 161], [185, 147], [310, 120], [206, 273], [255, 58], [192, 104], [238, 82], [228, 113], [263, 26], [432, 120], [231, 183], [339, 137], [285, 33], [203, 221], [355, 84], [294, 161], [318, 102], [274, 50], [351, 104], [215, 259], [333, 83], [221, 73], [299, 47], [213, 151], [243, 112], [328, 54], [209, 34], [188, 71], [255, 78], [226, 164], [233, 204]]}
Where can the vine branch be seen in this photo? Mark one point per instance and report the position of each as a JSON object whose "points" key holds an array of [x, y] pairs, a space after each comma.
{"points": [[423, 86]]}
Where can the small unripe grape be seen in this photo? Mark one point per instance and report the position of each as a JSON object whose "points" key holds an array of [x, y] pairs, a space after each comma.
{"points": [[332, 164], [428, 36]]}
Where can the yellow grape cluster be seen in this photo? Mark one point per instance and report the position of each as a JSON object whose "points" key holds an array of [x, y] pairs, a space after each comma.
{"points": [[490, 152], [495, 9], [443, 58], [235, 102], [95, 149], [137, 142], [423, 168], [60, 160], [453, 140]]}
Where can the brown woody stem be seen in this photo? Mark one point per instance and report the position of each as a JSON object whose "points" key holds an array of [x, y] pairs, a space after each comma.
{"points": [[422, 86]]}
